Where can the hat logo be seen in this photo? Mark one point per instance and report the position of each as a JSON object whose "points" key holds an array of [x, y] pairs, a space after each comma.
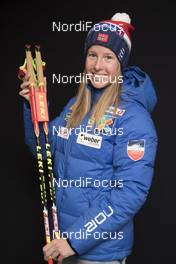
{"points": [[102, 37], [121, 54]]}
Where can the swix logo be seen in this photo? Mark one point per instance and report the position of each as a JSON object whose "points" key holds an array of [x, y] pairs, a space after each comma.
{"points": [[99, 219], [121, 53]]}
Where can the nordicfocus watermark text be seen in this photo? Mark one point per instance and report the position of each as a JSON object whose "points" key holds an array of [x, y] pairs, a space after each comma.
{"points": [[96, 235], [66, 27], [85, 182], [83, 26], [65, 132], [82, 77]]}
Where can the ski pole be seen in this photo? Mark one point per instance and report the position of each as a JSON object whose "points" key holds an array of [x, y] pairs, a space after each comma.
{"points": [[39, 112]]}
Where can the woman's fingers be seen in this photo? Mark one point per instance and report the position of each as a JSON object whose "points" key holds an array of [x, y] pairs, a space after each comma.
{"points": [[26, 77], [52, 252], [55, 255], [24, 92], [25, 84], [25, 87]]}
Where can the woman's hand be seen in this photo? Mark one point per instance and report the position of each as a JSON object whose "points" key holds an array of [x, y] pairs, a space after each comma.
{"points": [[25, 86], [56, 248]]}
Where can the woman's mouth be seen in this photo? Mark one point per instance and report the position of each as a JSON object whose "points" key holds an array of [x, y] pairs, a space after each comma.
{"points": [[100, 78]]}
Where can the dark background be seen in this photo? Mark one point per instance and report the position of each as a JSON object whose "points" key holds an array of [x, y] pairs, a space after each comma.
{"points": [[153, 49]]}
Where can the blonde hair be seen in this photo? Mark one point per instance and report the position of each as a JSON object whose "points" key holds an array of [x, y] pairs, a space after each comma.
{"points": [[82, 105]]}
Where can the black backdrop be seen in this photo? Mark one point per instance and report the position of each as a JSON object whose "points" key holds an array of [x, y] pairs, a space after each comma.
{"points": [[153, 49]]}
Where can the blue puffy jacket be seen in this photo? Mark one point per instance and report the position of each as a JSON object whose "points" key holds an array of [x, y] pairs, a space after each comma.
{"points": [[103, 178]]}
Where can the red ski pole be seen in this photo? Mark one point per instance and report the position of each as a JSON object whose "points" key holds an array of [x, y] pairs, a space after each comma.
{"points": [[39, 112]]}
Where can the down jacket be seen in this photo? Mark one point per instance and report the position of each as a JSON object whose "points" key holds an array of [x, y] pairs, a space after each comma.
{"points": [[103, 174]]}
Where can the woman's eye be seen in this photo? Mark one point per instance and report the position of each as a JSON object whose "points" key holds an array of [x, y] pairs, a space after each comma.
{"points": [[91, 55], [109, 57]]}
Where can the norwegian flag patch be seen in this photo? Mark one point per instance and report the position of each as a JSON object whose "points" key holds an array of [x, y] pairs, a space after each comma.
{"points": [[103, 37], [136, 149]]}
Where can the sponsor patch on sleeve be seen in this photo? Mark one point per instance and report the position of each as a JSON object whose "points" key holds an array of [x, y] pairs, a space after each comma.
{"points": [[136, 149]]}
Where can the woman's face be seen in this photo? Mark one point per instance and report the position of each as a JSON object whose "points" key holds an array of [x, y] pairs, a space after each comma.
{"points": [[101, 66]]}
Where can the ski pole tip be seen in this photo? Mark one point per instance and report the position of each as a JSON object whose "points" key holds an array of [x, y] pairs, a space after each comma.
{"points": [[37, 47], [28, 46]]}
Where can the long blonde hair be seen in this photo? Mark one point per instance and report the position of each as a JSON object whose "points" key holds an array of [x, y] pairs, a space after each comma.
{"points": [[82, 105]]}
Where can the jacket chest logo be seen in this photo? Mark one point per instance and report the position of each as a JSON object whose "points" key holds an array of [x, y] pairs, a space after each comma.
{"points": [[89, 140], [106, 123], [118, 112]]}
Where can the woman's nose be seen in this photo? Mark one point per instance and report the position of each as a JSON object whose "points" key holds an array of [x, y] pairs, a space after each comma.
{"points": [[98, 64]]}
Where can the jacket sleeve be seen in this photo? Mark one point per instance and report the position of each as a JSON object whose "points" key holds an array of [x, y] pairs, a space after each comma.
{"points": [[30, 138], [121, 204]]}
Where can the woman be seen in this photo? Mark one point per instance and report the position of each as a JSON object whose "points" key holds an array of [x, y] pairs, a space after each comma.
{"points": [[103, 144]]}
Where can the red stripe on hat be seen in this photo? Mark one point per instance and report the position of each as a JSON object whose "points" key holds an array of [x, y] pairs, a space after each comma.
{"points": [[128, 28]]}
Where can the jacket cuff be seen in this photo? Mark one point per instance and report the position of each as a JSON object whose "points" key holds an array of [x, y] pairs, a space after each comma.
{"points": [[72, 246], [26, 105]]}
